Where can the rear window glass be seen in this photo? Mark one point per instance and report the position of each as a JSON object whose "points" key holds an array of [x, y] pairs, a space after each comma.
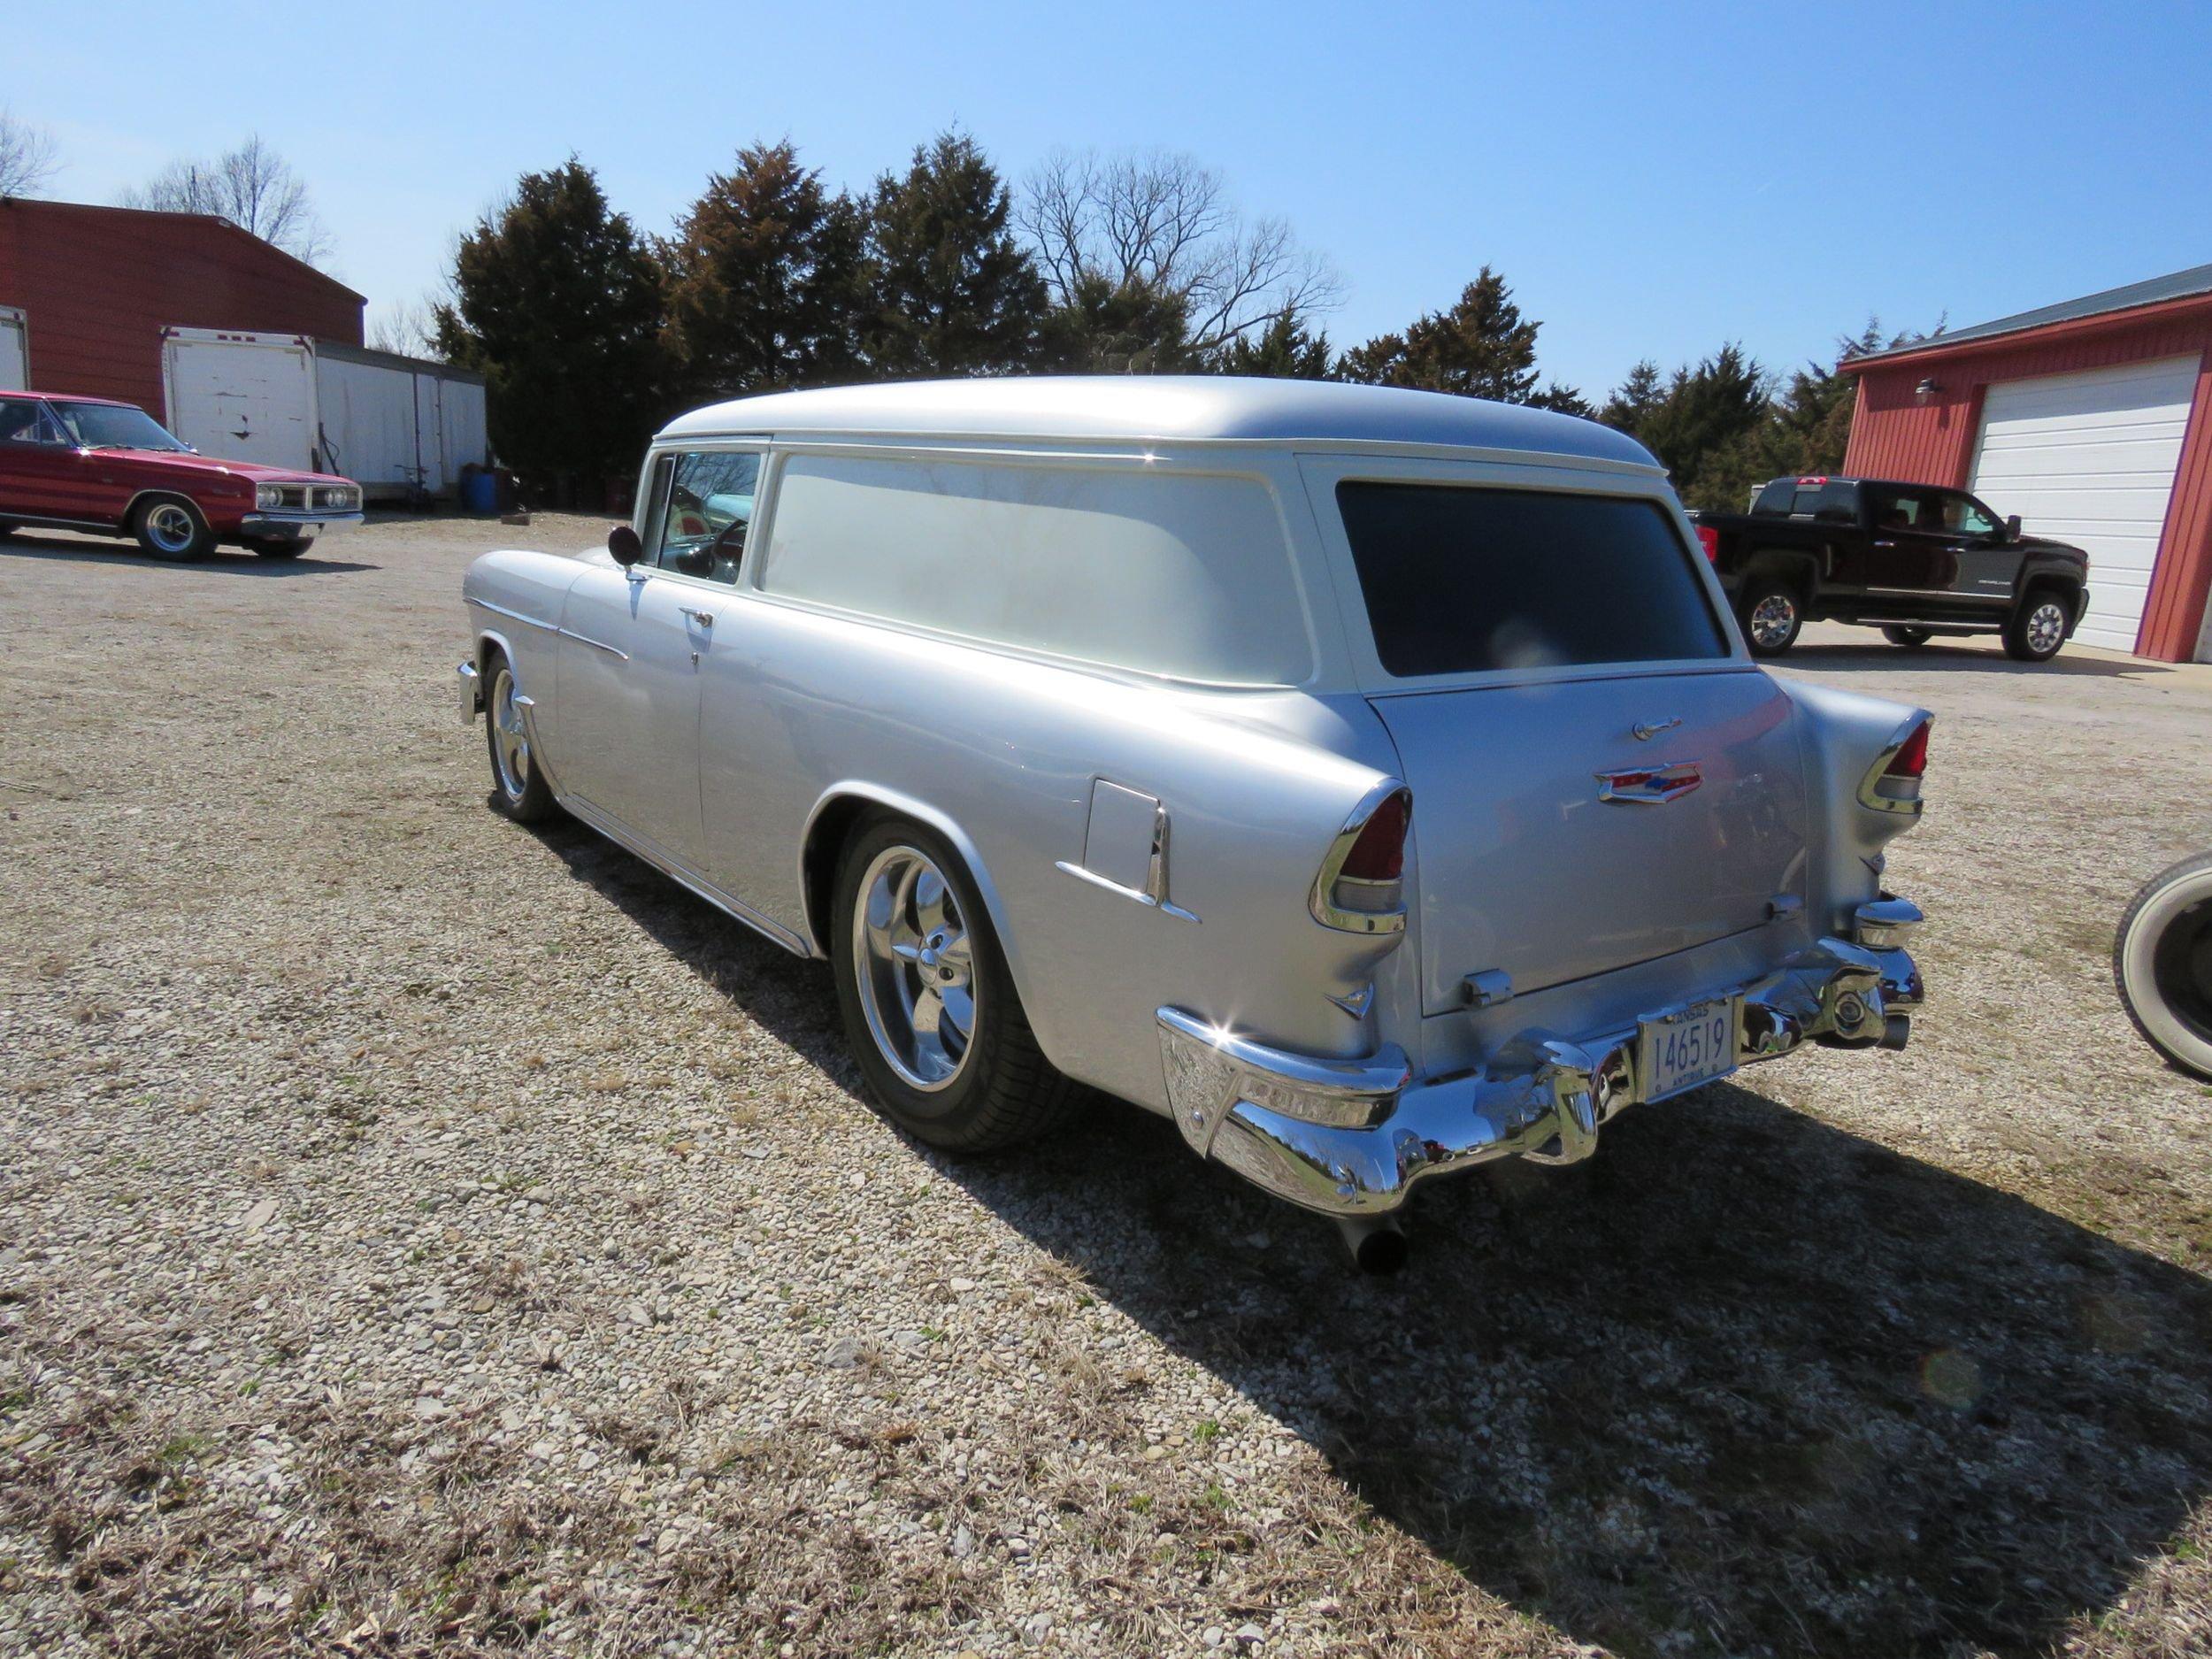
{"points": [[1459, 582], [1791, 498]]}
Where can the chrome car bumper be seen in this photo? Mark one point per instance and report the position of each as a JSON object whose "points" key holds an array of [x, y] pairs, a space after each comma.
{"points": [[472, 693], [1351, 1136], [289, 525]]}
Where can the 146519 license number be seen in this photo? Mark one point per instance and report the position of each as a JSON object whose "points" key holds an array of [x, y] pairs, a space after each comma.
{"points": [[1685, 1046]]}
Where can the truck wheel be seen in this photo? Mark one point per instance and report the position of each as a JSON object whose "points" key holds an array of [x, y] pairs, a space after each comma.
{"points": [[2162, 963], [291, 550], [1912, 638], [2037, 627], [169, 527], [930, 1010], [1771, 611]]}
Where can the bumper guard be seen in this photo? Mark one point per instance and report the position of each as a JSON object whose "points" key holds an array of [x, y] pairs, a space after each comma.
{"points": [[1352, 1137]]}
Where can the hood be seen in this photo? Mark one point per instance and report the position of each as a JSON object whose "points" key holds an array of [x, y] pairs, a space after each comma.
{"points": [[252, 472]]}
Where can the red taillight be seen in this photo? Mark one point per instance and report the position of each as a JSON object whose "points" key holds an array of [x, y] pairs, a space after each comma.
{"points": [[1380, 854], [1709, 539], [1911, 759]]}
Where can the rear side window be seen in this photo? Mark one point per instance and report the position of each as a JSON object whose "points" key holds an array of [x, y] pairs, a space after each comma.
{"points": [[1827, 500], [1165, 573], [1461, 581]]}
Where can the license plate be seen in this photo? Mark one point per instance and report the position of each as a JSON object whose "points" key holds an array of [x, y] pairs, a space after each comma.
{"points": [[1688, 1045]]}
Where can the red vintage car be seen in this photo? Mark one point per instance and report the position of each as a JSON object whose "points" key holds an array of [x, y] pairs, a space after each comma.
{"points": [[93, 464]]}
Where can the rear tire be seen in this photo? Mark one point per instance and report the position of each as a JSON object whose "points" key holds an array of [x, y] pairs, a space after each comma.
{"points": [[7, 530], [171, 527], [1771, 610], [914, 953], [2037, 627], [291, 550], [1911, 639], [518, 787], [2162, 962]]}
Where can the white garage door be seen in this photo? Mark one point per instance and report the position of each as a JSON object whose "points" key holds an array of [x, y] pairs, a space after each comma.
{"points": [[2089, 458], [14, 366]]}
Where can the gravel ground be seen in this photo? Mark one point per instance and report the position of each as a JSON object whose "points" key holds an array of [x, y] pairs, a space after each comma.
{"points": [[417, 1234]]}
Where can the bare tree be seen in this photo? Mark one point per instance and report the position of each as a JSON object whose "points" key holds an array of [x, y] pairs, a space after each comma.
{"points": [[1157, 220], [409, 327], [252, 187], [26, 156]]}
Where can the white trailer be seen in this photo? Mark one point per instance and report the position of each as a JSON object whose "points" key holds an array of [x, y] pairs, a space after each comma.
{"points": [[15, 351], [398, 427]]}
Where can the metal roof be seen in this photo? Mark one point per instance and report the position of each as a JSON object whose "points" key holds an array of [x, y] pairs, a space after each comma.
{"points": [[2181, 285], [1137, 407]]}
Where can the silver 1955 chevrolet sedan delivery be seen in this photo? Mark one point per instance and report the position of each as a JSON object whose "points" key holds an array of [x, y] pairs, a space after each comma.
{"points": [[1372, 781]]}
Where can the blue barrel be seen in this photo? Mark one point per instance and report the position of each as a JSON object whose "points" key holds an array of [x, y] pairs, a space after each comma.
{"points": [[480, 491]]}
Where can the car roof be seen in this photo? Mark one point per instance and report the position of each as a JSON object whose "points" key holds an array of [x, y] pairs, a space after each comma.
{"points": [[68, 397], [1167, 408]]}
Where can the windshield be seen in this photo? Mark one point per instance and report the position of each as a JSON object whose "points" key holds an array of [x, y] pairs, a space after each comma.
{"points": [[113, 427]]}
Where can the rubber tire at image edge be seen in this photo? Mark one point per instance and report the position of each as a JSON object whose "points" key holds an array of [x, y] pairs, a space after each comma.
{"points": [[2184, 1048], [535, 803], [1009, 1093], [1911, 639]]}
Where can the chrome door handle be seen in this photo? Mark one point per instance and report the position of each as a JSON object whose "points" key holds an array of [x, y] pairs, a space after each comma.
{"points": [[704, 618]]}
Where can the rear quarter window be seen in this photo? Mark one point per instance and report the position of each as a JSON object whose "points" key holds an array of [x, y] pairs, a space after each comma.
{"points": [[1182, 574], [1461, 581]]}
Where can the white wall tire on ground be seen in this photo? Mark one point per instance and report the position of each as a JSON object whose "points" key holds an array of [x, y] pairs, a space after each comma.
{"points": [[518, 787], [930, 1010], [171, 527], [2162, 963]]}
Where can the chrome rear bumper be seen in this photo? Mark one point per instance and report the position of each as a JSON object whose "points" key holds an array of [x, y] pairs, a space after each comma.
{"points": [[1351, 1136]]}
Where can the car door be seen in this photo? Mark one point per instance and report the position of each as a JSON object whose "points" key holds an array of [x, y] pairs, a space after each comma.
{"points": [[1985, 559], [1908, 554], [39, 472], [631, 643]]}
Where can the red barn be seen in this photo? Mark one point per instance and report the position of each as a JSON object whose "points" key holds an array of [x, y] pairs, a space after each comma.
{"points": [[85, 293], [2090, 420]]}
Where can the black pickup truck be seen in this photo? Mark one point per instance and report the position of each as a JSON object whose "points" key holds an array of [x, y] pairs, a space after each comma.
{"points": [[1911, 559]]}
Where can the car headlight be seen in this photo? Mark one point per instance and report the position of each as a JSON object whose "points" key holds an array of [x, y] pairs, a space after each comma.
{"points": [[268, 495]]}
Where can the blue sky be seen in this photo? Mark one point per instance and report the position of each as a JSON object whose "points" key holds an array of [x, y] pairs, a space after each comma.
{"points": [[1653, 180]]}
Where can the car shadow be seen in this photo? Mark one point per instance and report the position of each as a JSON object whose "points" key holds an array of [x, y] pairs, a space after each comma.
{"points": [[26, 544], [1743, 1382], [1936, 657]]}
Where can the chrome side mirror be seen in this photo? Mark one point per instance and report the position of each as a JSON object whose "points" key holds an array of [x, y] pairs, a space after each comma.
{"points": [[625, 544]]}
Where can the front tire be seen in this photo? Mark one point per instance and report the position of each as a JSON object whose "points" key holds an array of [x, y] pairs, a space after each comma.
{"points": [[169, 527], [291, 550], [1911, 639], [2037, 627], [518, 787], [930, 1010], [2162, 962], [1772, 612]]}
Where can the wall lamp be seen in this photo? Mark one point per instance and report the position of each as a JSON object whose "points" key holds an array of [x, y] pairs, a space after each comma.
{"points": [[1927, 388]]}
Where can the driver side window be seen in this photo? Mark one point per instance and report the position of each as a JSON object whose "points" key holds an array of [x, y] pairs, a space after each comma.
{"points": [[709, 513]]}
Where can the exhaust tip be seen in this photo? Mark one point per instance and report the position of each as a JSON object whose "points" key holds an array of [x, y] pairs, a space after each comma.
{"points": [[1377, 1244]]}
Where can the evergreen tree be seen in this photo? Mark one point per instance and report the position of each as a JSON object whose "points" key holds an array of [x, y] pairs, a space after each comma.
{"points": [[953, 291], [1482, 347], [1284, 351], [766, 281], [1127, 328], [1631, 404], [1711, 426], [556, 301]]}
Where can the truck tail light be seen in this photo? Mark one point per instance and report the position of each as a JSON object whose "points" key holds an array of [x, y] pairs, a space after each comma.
{"points": [[1361, 887], [1709, 539], [1893, 783]]}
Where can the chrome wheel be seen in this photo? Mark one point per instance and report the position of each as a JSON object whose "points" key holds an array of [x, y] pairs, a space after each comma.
{"points": [[914, 970], [2046, 630], [171, 528], [1772, 620], [510, 741]]}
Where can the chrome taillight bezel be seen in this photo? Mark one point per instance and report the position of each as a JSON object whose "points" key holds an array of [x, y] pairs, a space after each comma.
{"points": [[1380, 907]]}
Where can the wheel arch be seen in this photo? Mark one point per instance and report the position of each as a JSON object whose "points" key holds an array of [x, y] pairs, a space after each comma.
{"points": [[155, 492], [830, 822], [1800, 565]]}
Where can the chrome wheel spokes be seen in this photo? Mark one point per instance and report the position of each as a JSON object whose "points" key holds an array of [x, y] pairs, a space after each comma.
{"points": [[511, 739], [171, 528], [2046, 629], [1771, 619], [916, 971]]}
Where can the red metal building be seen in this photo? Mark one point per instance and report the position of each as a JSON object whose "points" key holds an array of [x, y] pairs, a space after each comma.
{"points": [[96, 286], [2093, 420]]}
